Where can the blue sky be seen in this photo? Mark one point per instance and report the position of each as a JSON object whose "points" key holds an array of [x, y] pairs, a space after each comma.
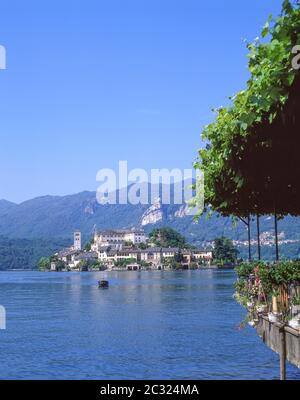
{"points": [[89, 83]]}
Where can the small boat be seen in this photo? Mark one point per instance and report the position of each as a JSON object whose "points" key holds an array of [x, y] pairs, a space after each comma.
{"points": [[103, 284]]}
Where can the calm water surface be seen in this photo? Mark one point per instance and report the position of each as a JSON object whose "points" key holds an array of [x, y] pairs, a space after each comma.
{"points": [[147, 325]]}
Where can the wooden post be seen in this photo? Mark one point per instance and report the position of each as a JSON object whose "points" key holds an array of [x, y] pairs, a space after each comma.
{"points": [[258, 237], [276, 237], [249, 237], [247, 223], [282, 355]]}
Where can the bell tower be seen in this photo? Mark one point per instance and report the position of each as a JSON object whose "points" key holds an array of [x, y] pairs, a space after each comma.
{"points": [[77, 240]]}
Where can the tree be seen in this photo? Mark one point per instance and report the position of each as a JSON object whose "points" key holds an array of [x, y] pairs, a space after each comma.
{"points": [[168, 237], [224, 251], [145, 264], [142, 246], [129, 243], [171, 263], [60, 265], [44, 263], [125, 262], [83, 265], [88, 246], [179, 257], [193, 265]]}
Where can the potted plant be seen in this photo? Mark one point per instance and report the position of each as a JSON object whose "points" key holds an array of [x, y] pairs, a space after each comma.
{"points": [[250, 320], [296, 305], [275, 316], [250, 304], [262, 308], [252, 323], [295, 322]]}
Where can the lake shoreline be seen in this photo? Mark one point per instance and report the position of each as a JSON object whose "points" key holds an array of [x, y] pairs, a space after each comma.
{"points": [[214, 268]]}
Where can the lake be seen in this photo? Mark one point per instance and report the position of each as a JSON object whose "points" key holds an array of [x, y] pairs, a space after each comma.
{"points": [[147, 325]]}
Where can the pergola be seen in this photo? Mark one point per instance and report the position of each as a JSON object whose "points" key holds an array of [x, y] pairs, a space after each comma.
{"points": [[251, 164]]}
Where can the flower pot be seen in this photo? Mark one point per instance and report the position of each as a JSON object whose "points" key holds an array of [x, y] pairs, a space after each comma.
{"points": [[261, 309], [295, 310], [295, 323], [274, 317]]}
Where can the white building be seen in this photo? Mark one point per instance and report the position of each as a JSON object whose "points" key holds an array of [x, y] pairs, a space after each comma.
{"points": [[112, 246], [136, 236], [53, 267], [204, 255], [152, 255], [77, 240], [87, 257], [116, 239]]}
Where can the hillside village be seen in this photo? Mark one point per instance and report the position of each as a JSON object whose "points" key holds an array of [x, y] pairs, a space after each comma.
{"points": [[125, 250]]}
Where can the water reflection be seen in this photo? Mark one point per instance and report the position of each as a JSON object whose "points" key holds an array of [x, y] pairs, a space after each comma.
{"points": [[154, 324]]}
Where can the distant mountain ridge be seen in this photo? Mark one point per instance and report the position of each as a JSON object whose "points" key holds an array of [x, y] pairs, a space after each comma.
{"points": [[6, 206], [54, 218], [51, 217]]}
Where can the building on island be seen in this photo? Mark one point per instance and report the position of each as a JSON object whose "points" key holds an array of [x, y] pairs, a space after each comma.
{"points": [[117, 239], [68, 255], [203, 255], [111, 248], [152, 255], [53, 266], [88, 257]]}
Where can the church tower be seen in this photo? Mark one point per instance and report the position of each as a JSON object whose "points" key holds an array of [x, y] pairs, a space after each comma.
{"points": [[77, 240]]}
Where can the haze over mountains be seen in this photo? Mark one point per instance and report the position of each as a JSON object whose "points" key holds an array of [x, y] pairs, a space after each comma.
{"points": [[44, 224]]}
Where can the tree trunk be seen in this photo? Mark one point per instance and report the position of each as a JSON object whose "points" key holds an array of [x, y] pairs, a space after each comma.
{"points": [[258, 237], [276, 237], [249, 238]]}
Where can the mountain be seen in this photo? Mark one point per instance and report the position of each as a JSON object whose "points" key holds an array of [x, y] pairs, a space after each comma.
{"points": [[49, 221], [51, 217], [24, 253], [57, 217], [6, 206]]}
